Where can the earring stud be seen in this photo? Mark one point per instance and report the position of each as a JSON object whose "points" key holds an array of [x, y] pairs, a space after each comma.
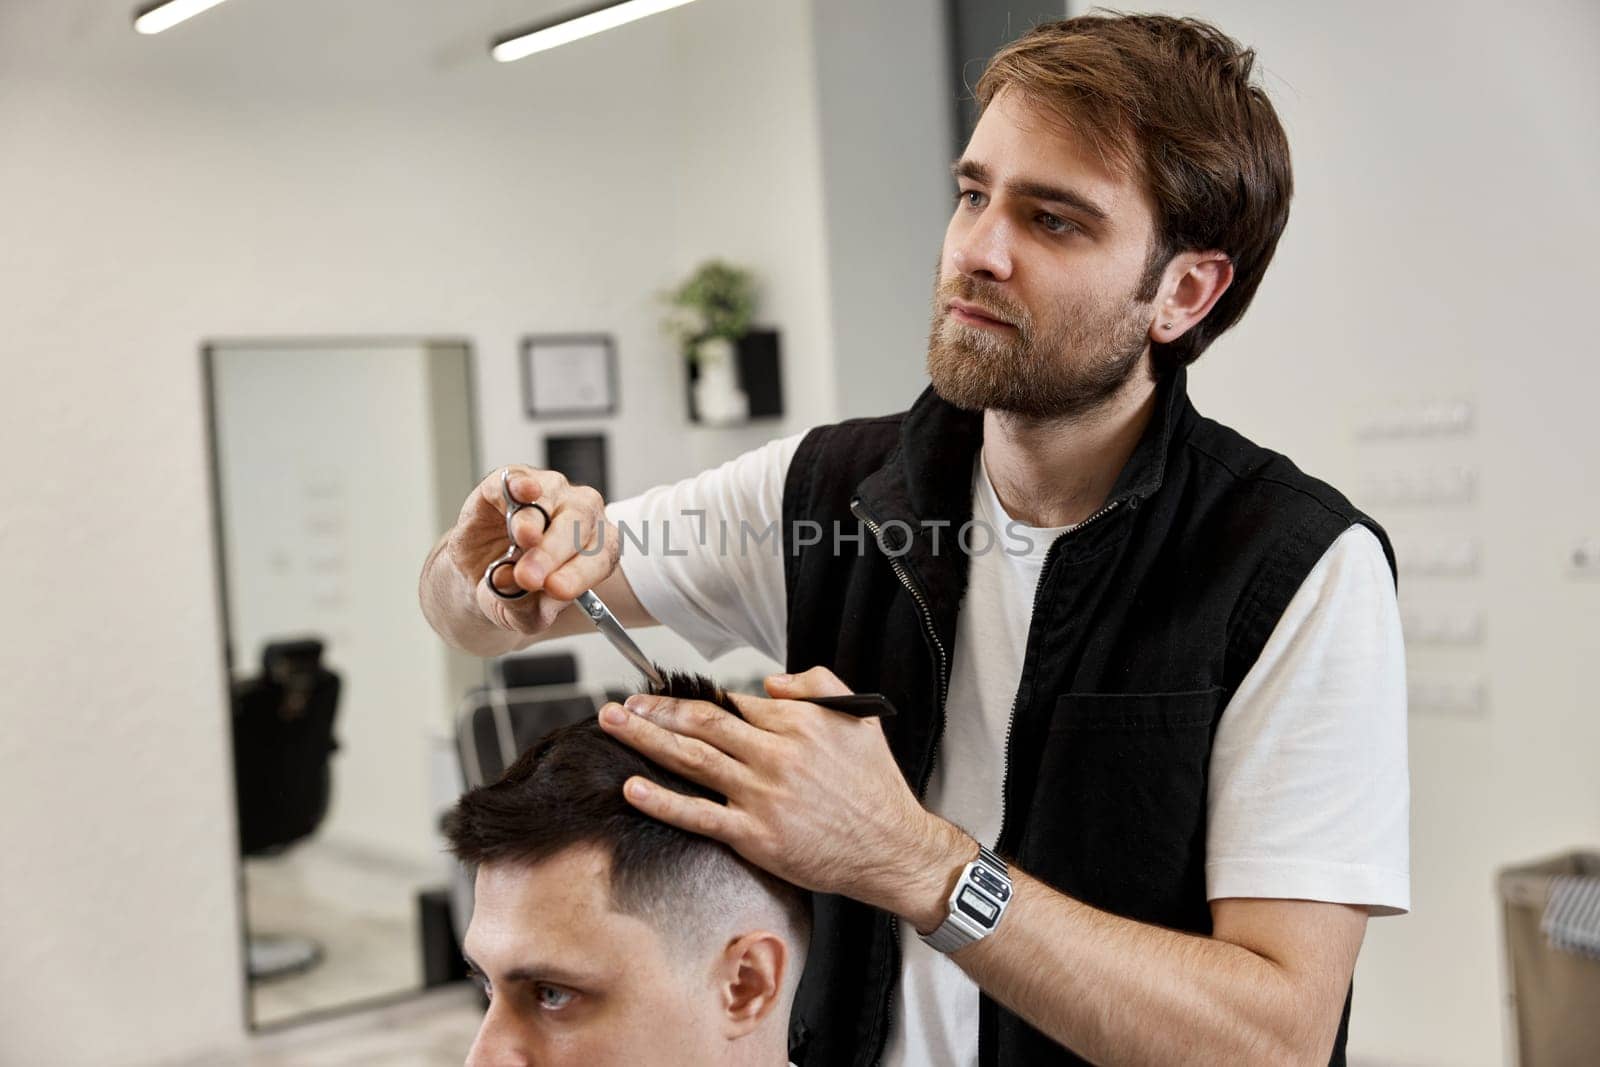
{"points": [[1166, 325]]}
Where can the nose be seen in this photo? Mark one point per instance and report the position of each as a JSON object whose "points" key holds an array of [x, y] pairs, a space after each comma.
{"points": [[983, 246], [498, 1043]]}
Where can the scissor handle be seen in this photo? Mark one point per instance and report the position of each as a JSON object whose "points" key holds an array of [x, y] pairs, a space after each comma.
{"points": [[508, 560], [513, 505]]}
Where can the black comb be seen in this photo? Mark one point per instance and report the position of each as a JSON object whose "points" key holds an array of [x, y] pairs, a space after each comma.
{"points": [[686, 685], [861, 705]]}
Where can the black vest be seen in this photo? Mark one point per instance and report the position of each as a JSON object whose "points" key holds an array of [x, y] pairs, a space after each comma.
{"points": [[1146, 619]]}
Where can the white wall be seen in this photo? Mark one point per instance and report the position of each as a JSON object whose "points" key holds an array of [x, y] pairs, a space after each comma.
{"points": [[875, 133], [745, 186], [886, 154], [299, 168], [1442, 247]]}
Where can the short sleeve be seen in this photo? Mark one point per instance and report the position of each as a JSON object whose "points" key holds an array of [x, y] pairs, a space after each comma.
{"points": [[1309, 792], [704, 555]]}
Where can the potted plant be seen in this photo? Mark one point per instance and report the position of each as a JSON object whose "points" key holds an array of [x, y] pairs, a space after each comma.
{"points": [[707, 316]]}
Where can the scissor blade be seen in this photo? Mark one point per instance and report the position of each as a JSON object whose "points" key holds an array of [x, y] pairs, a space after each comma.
{"points": [[607, 624]]}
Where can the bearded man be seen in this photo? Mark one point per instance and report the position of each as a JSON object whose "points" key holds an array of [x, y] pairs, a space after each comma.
{"points": [[1148, 776]]}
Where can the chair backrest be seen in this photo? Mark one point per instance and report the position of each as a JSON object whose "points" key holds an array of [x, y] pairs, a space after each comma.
{"points": [[534, 668], [495, 726], [283, 742]]}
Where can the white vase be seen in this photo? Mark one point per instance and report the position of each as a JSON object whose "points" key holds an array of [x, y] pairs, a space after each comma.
{"points": [[717, 396]]}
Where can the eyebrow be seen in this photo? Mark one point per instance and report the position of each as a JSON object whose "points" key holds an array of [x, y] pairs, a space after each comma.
{"points": [[534, 973], [972, 170]]}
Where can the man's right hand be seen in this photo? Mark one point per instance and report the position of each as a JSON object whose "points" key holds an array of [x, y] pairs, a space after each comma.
{"points": [[577, 552]]}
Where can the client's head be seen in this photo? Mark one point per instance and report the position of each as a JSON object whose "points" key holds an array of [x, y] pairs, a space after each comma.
{"points": [[605, 936]]}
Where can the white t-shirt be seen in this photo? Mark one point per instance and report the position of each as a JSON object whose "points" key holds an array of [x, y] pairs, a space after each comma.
{"points": [[1308, 792]]}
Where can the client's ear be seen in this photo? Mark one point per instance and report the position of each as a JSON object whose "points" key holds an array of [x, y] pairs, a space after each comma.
{"points": [[750, 977]]}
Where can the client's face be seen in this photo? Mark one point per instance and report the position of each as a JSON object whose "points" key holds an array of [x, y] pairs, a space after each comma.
{"points": [[570, 980]]}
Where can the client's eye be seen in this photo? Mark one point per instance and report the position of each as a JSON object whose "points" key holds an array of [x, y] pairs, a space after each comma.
{"points": [[552, 998], [481, 980]]}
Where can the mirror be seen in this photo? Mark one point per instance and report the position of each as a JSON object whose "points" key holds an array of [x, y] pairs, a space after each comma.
{"points": [[335, 465]]}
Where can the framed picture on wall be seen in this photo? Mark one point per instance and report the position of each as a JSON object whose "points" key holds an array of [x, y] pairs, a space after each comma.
{"points": [[569, 374], [581, 457]]}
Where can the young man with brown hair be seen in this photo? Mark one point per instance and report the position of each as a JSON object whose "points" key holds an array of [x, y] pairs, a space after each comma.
{"points": [[1148, 777]]}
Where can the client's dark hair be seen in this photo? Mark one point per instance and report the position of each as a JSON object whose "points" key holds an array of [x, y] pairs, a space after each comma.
{"points": [[567, 790]]}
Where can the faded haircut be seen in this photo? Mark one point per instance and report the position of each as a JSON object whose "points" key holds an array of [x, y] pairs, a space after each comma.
{"points": [[566, 791]]}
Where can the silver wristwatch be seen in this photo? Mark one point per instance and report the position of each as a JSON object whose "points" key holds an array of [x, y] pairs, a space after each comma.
{"points": [[976, 903]]}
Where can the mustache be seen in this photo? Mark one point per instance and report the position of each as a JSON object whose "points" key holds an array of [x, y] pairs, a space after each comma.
{"points": [[988, 299]]}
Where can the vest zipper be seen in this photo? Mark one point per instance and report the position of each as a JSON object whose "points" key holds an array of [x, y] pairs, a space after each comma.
{"points": [[927, 618], [1005, 779], [942, 690]]}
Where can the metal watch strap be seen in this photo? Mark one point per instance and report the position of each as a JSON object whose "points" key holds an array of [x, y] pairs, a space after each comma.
{"points": [[976, 903]]}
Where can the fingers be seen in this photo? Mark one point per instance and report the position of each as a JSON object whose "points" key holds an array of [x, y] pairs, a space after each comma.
{"points": [[479, 535], [817, 682], [697, 815], [702, 721], [787, 711], [582, 571], [545, 488], [528, 525], [528, 484], [769, 715], [691, 757], [572, 552], [532, 614], [577, 516], [499, 577]]}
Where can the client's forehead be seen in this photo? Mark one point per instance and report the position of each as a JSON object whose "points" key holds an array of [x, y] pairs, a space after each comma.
{"points": [[557, 914]]}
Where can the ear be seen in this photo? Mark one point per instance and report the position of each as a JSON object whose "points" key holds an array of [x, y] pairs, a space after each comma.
{"points": [[1194, 282], [750, 979]]}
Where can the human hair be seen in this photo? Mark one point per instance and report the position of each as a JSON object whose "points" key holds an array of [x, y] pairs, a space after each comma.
{"points": [[1169, 101], [566, 791]]}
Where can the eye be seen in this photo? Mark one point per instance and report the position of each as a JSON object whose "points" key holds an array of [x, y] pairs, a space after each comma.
{"points": [[961, 197], [1056, 224], [552, 998], [479, 979]]}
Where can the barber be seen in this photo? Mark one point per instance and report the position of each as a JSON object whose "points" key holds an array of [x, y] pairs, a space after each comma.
{"points": [[1148, 777]]}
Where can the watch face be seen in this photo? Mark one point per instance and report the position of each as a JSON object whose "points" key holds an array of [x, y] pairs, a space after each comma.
{"points": [[973, 903], [992, 883]]}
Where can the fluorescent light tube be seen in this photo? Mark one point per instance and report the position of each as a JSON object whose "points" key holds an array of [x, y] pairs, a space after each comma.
{"points": [[165, 15], [540, 38]]}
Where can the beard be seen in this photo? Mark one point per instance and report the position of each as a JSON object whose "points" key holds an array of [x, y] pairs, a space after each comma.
{"points": [[1059, 366]]}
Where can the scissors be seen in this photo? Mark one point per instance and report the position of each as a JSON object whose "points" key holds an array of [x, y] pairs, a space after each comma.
{"points": [[592, 605]]}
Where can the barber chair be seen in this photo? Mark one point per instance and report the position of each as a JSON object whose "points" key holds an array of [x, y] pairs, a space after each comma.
{"points": [[529, 669], [529, 696], [283, 745]]}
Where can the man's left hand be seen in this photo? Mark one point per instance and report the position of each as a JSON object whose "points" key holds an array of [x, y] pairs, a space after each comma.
{"points": [[814, 796]]}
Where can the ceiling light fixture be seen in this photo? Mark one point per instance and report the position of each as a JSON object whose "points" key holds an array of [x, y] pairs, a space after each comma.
{"points": [[153, 18], [575, 27]]}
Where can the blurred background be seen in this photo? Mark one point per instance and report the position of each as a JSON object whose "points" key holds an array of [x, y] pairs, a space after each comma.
{"points": [[278, 285]]}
